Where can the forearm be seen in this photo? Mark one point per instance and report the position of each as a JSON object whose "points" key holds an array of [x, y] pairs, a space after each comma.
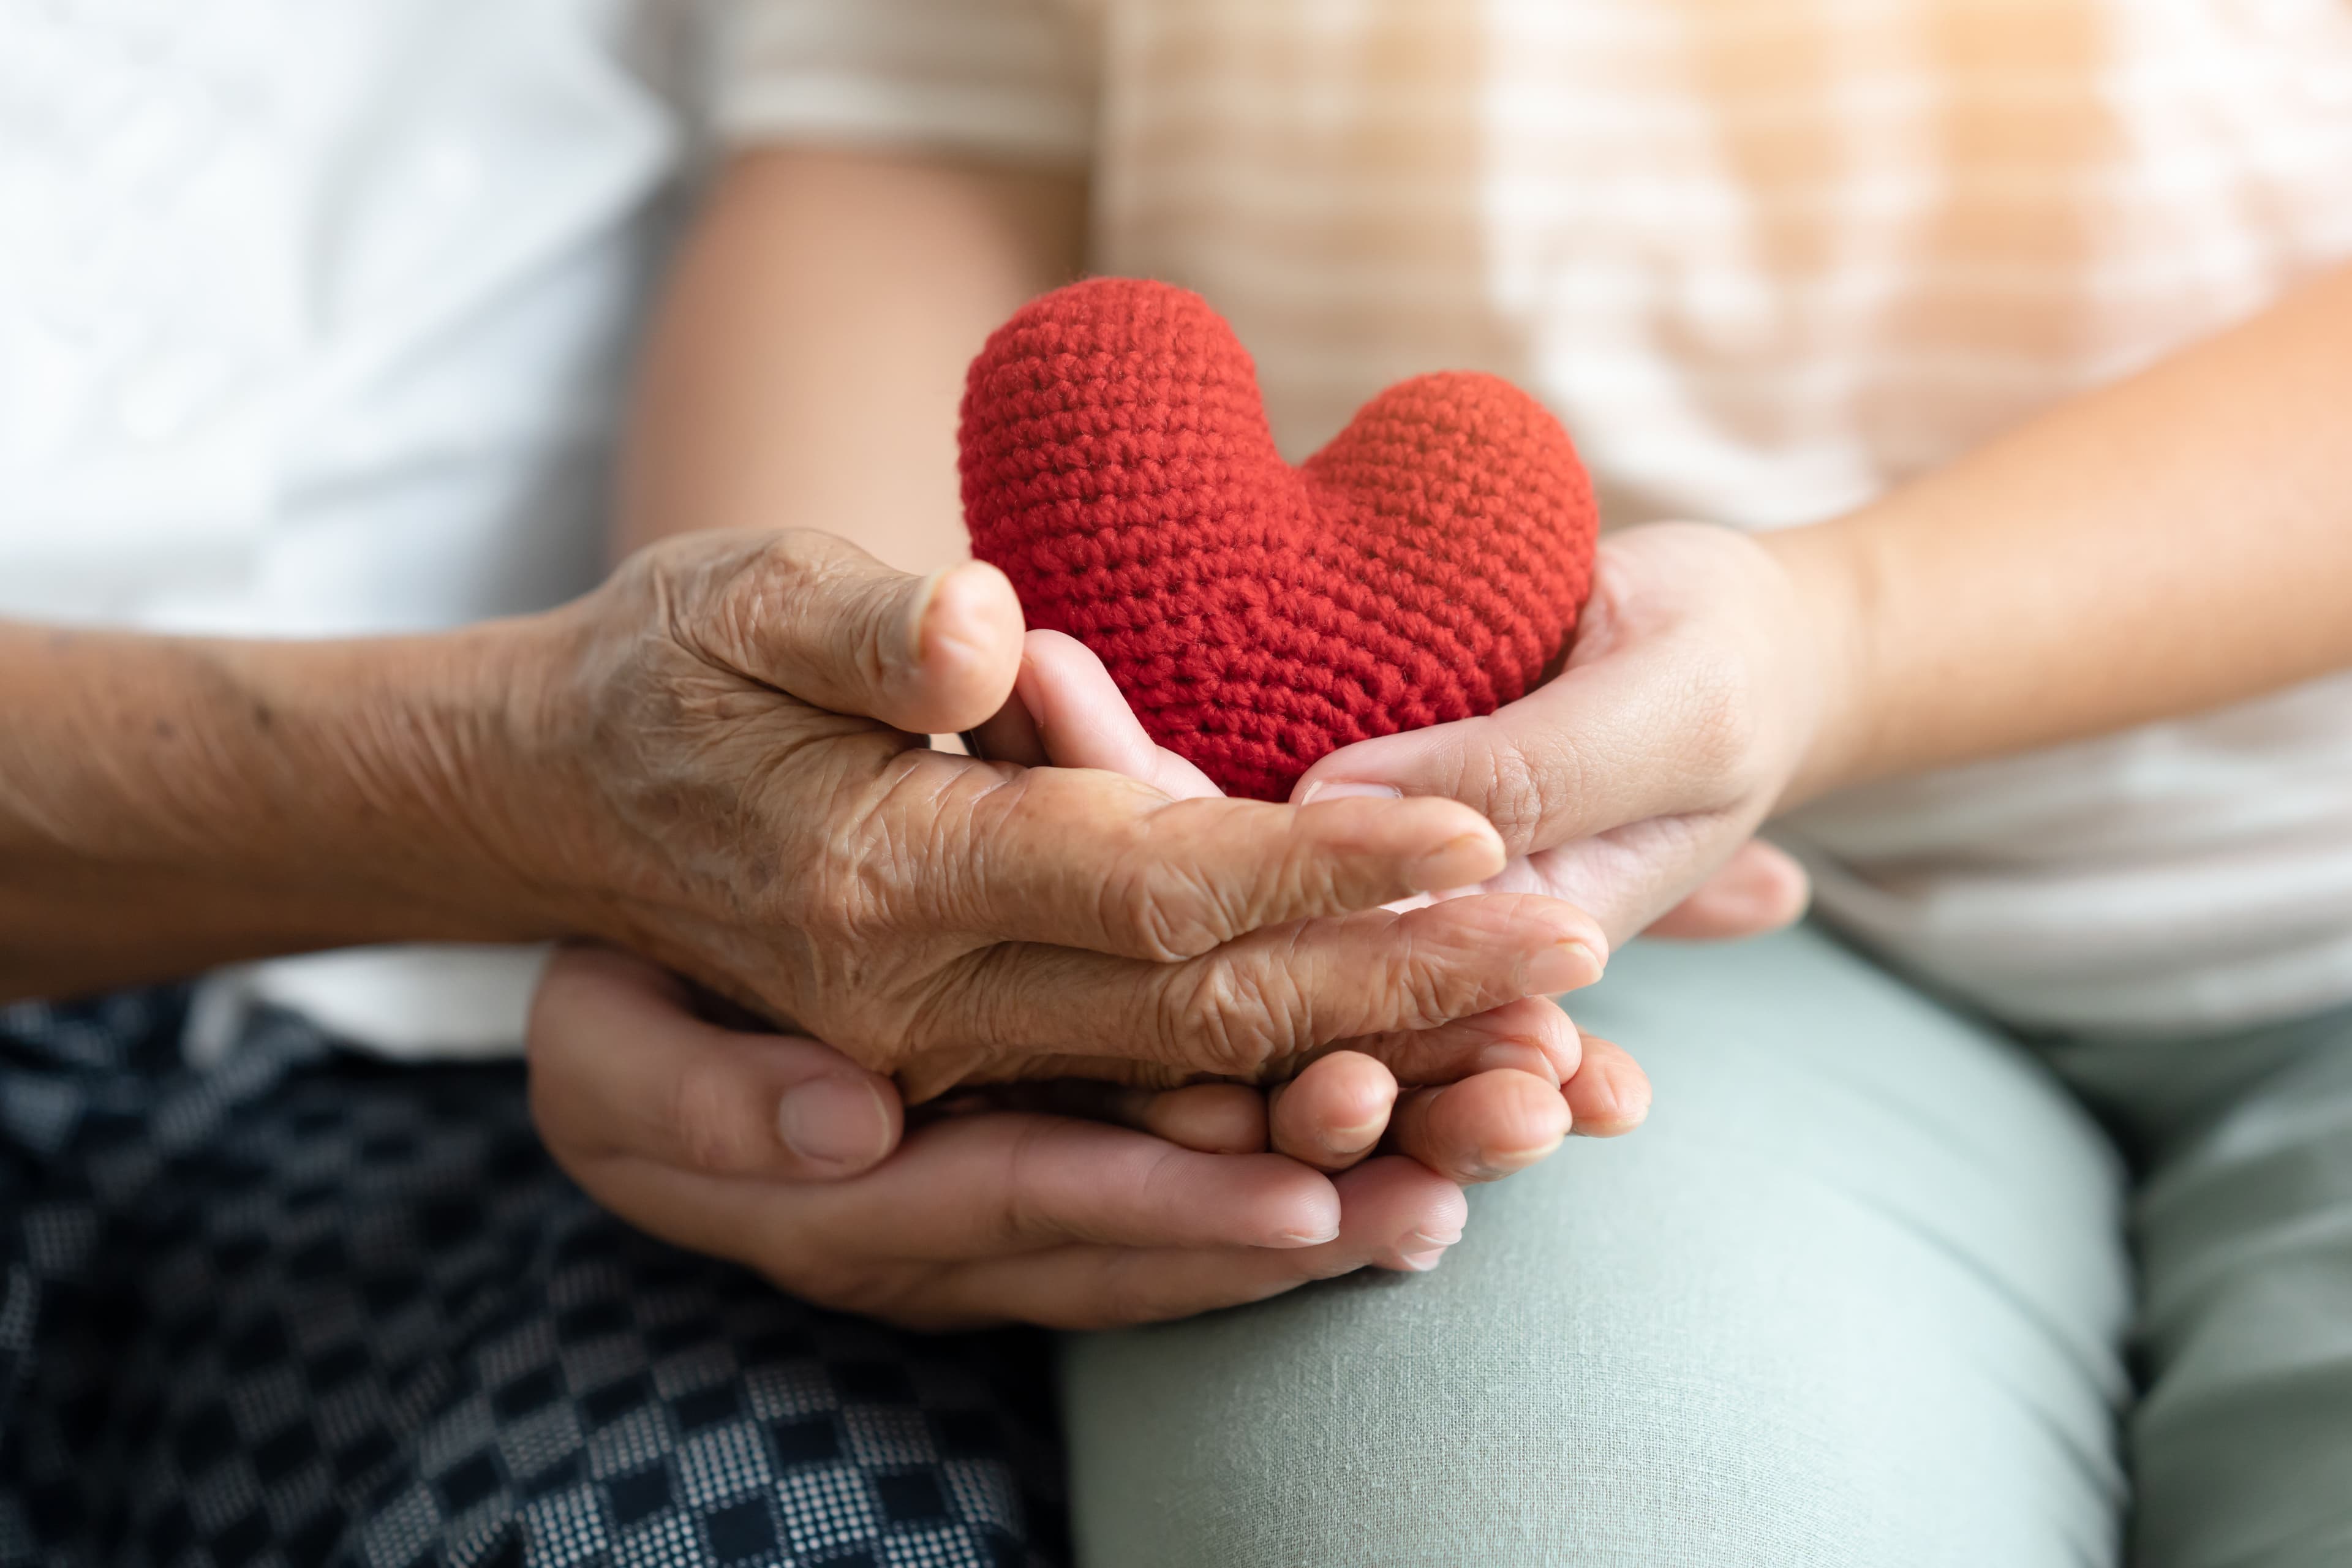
{"points": [[2177, 542], [805, 364], [168, 803]]}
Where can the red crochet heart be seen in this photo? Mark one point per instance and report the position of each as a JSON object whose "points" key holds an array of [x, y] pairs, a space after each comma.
{"points": [[1427, 564]]}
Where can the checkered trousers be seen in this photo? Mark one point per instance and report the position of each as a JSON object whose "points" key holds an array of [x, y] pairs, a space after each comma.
{"points": [[306, 1309]]}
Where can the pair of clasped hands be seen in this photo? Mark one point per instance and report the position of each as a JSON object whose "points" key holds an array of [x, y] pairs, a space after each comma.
{"points": [[1248, 1046]]}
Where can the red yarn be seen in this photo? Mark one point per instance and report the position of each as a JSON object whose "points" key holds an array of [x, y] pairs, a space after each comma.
{"points": [[1426, 565]]}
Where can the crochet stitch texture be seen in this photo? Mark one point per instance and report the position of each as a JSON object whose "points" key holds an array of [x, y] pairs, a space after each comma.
{"points": [[1427, 564]]}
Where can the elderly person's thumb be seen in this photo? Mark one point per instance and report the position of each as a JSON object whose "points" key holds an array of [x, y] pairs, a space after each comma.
{"points": [[815, 617]]}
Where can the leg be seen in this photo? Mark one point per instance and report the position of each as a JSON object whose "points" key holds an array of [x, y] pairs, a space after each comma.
{"points": [[306, 1309], [1853, 1296], [2243, 1444]]}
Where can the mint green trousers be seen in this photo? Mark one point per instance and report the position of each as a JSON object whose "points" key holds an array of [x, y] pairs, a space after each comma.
{"points": [[1877, 1285]]}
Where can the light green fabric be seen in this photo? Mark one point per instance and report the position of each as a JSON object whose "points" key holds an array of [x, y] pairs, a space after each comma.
{"points": [[1857, 1294], [2243, 1444]]}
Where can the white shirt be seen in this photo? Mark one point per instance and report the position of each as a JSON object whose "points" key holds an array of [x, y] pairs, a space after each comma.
{"points": [[312, 314], [1765, 261]]}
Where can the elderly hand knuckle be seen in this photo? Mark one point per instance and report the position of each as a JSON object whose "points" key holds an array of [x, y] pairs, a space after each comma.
{"points": [[1212, 1018], [1422, 988], [1142, 912], [881, 868], [1156, 900]]}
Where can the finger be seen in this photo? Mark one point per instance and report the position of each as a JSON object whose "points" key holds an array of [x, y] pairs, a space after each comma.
{"points": [[1610, 1094], [1083, 718], [1009, 735], [1629, 876], [1760, 889], [1483, 1128], [815, 617], [1209, 1117], [1258, 1007], [1331, 1116], [1595, 748], [1644, 722], [1532, 1036], [619, 1066], [981, 1185], [1081, 859], [1398, 1216]]}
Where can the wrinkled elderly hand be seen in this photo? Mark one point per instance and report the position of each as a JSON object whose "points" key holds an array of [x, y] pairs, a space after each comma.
{"points": [[728, 774], [673, 1123], [1632, 782]]}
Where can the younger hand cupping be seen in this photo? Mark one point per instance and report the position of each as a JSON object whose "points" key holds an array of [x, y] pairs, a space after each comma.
{"points": [[1631, 785], [777, 1152]]}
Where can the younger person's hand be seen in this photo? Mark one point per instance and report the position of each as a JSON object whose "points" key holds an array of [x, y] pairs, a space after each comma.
{"points": [[1471, 1116], [779, 1154], [1631, 783]]}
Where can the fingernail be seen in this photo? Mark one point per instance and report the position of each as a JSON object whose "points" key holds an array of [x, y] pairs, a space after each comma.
{"points": [[925, 592], [1422, 1262], [1423, 1240], [1352, 1140], [1562, 966], [1518, 1056], [955, 630], [1457, 861], [1304, 1238], [1347, 789], [1502, 1163], [835, 1122]]}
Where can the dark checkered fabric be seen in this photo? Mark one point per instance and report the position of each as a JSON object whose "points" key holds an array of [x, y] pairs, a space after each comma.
{"points": [[308, 1309]]}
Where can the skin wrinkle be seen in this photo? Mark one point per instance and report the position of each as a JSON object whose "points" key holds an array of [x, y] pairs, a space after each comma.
{"points": [[947, 811], [885, 660], [1018, 805], [1182, 915], [1162, 926], [1231, 1019], [1519, 789], [1423, 977], [978, 991]]}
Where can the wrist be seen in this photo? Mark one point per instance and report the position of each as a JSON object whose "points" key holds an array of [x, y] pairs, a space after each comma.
{"points": [[377, 770], [1830, 576], [170, 804]]}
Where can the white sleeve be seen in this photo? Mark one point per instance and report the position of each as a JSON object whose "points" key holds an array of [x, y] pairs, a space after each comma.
{"points": [[1003, 80]]}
